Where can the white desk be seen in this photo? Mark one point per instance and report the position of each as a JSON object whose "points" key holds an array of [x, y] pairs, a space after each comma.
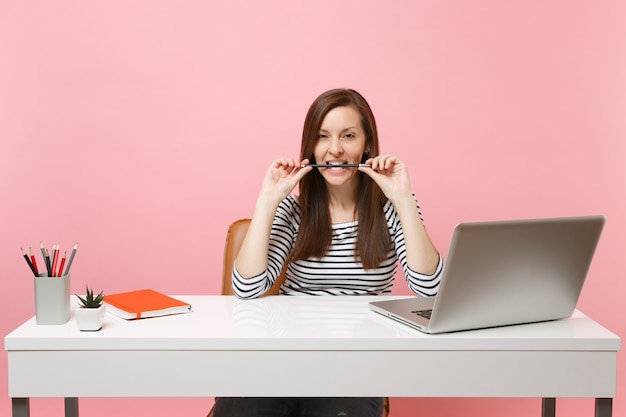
{"points": [[308, 346]]}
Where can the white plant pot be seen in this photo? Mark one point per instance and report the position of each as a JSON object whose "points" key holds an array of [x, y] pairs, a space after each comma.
{"points": [[90, 319]]}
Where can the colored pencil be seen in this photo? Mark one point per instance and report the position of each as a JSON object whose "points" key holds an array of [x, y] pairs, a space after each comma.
{"points": [[60, 273], [32, 258], [48, 263], [28, 261], [55, 257], [45, 258], [69, 263]]}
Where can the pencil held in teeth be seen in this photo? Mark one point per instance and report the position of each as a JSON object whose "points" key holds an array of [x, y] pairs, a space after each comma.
{"points": [[337, 165]]}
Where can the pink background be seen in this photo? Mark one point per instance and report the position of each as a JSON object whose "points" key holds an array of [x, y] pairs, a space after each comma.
{"points": [[141, 129]]}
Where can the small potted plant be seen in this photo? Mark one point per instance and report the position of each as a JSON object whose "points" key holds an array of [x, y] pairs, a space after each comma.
{"points": [[90, 315]]}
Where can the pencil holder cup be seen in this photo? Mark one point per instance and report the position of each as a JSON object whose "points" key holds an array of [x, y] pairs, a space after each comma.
{"points": [[52, 299]]}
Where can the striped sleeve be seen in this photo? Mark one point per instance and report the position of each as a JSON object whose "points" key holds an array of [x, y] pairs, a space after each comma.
{"points": [[282, 239], [420, 284]]}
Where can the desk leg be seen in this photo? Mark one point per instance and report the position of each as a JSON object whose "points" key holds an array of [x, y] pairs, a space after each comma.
{"points": [[604, 407], [548, 407], [21, 407], [71, 407]]}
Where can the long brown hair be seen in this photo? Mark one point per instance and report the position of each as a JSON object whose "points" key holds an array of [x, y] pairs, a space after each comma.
{"points": [[315, 233]]}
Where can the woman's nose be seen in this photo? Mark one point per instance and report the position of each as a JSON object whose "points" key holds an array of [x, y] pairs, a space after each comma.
{"points": [[335, 147]]}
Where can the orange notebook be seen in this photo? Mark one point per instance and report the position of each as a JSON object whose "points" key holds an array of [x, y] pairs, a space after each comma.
{"points": [[144, 303]]}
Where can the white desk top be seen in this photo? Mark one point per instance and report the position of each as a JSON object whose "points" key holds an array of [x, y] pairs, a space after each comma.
{"points": [[300, 323]]}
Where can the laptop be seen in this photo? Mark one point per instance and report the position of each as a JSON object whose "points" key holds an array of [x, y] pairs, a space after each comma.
{"points": [[503, 273]]}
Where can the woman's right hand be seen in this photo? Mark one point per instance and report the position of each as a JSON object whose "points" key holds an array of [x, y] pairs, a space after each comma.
{"points": [[282, 177]]}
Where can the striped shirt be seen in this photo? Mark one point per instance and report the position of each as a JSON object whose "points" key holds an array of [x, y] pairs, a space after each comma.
{"points": [[339, 272]]}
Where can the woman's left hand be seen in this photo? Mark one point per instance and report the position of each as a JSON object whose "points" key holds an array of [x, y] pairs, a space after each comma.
{"points": [[391, 175]]}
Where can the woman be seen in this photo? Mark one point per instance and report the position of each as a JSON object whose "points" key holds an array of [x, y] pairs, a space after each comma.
{"points": [[354, 219]]}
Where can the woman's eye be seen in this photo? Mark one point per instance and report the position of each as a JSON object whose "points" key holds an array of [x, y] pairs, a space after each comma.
{"points": [[322, 136], [349, 135]]}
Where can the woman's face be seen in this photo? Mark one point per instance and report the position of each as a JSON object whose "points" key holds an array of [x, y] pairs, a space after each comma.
{"points": [[341, 140]]}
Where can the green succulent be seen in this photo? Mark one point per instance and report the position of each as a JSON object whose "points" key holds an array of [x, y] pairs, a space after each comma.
{"points": [[89, 301]]}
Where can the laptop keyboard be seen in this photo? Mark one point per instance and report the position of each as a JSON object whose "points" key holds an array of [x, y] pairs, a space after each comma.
{"points": [[423, 313]]}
